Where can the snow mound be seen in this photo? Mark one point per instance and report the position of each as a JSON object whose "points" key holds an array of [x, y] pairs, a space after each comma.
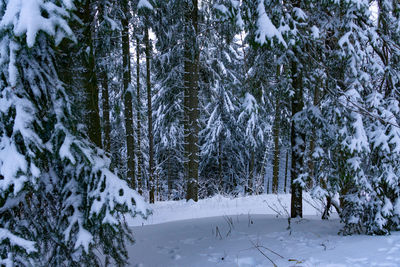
{"points": [[168, 211]]}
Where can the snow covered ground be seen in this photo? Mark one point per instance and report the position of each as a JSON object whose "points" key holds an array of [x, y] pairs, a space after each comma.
{"points": [[246, 232]]}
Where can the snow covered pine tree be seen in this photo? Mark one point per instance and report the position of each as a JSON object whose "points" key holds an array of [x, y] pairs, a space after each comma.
{"points": [[58, 199]]}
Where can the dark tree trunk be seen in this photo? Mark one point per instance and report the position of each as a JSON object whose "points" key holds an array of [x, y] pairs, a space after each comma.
{"points": [[105, 97], [311, 165], [191, 101], [138, 121], [276, 130], [90, 78], [106, 112], [297, 143], [286, 171], [128, 111], [221, 185], [276, 135], [149, 116], [250, 180]]}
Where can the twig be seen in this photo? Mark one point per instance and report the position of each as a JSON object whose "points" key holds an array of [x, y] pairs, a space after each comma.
{"points": [[258, 248], [270, 250]]}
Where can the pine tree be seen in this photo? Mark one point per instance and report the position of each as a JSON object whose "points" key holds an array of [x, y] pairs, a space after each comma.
{"points": [[59, 200]]}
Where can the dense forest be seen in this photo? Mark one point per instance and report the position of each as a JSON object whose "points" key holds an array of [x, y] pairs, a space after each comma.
{"points": [[108, 104]]}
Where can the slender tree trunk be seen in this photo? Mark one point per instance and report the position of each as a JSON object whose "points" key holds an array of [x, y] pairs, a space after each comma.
{"points": [[170, 181], [276, 130], [251, 174], [276, 133], [221, 185], [311, 165], [138, 120], [128, 111], [90, 78], [191, 102], [262, 174], [149, 115], [286, 171], [105, 98], [297, 143], [106, 112]]}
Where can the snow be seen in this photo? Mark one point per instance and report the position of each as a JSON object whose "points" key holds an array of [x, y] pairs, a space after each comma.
{"points": [[221, 8], [84, 239], [315, 32], [167, 211], [26, 17], [265, 27], [185, 234], [299, 14], [145, 4], [65, 150], [29, 246]]}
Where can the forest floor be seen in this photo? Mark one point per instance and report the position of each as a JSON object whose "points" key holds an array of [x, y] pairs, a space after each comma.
{"points": [[252, 231]]}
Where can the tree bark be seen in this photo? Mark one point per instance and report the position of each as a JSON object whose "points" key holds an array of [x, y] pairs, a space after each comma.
{"points": [[106, 112], [149, 116], [251, 174], [105, 97], [90, 77], [138, 120], [286, 171], [297, 143], [191, 101], [128, 111], [276, 133]]}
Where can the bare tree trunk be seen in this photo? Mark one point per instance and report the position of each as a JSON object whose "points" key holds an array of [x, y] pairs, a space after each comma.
{"points": [[311, 166], [221, 185], [128, 111], [276, 133], [105, 98], [276, 130], [286, 170], [297, 143], [138, 120], [170, 181], [90, 77], [106, 112], [149, 115], [251, 174], [191, 102]]}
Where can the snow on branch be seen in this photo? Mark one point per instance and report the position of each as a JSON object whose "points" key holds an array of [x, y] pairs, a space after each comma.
{"points": [[145, 4], [265, 28], [26, 17]]}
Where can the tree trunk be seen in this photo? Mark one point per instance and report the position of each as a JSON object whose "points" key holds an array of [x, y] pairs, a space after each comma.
{"points": [[297, 143], [138, 120], [191, 101], [105, 98], [90, 78], [311, 165], [276, 130], [221, 185], [251, 174], [128, 112], [286, 171], [106, 112], [149, 116], [276, 133]]}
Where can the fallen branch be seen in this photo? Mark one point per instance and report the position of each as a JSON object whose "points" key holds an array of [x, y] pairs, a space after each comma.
{"points": [[258, 247]]}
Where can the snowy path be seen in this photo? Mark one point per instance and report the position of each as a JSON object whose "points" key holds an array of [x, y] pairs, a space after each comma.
{"points": [[231, 241]]}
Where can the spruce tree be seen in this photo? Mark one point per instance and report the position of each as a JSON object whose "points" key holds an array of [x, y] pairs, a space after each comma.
{"points": [[59, 200]]}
